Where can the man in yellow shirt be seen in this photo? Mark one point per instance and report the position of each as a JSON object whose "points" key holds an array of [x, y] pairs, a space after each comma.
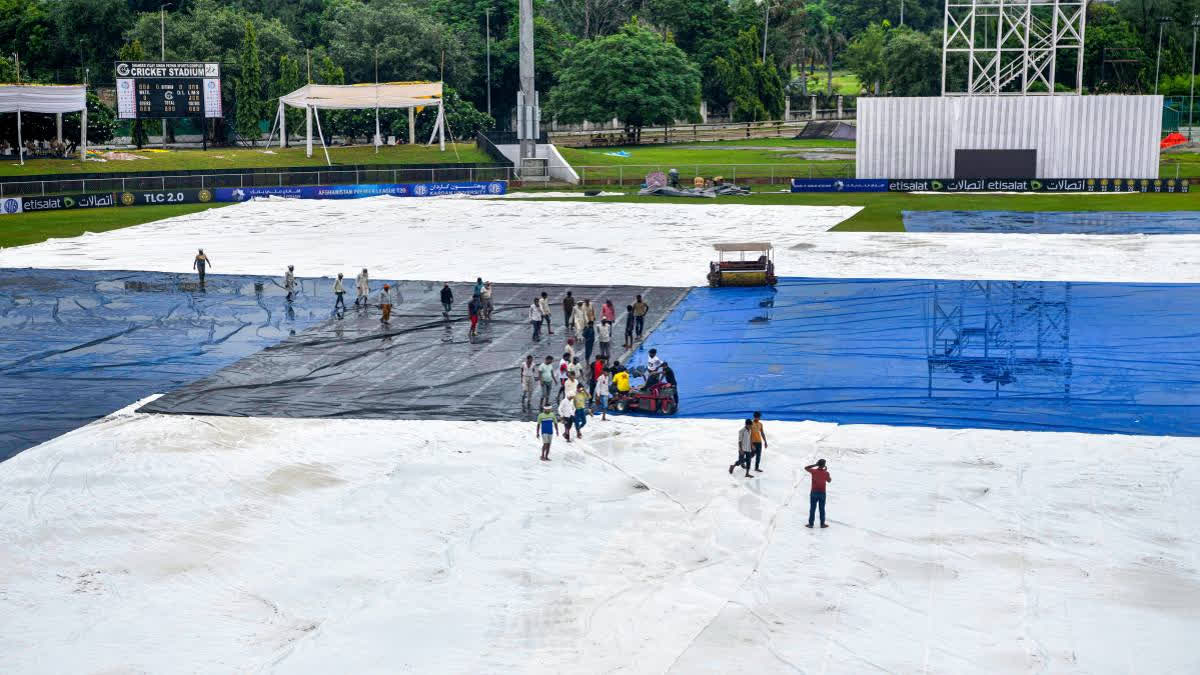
{"points": [[758, 441], [621, 379]]}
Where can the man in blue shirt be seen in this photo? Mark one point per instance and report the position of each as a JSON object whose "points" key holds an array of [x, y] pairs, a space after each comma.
{"points": [[547, 427]]}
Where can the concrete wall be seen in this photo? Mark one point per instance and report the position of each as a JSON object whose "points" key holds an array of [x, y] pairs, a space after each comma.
{"points": [[558, 167], [1075, 136]]}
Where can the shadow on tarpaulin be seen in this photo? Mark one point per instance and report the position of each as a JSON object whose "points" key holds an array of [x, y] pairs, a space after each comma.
{"points": [[77, 345], [1054, 222], [1040, 356]]}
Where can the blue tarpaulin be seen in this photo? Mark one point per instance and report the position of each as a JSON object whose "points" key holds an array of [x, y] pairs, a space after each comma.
{"points": [[75, 345], [1056, 356], [1055, 222]]}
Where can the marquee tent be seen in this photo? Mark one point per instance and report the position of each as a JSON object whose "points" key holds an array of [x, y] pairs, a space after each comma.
{"points": [[313, 97], [38, 98]]}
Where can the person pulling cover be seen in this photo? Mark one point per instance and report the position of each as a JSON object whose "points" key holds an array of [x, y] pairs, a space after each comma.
{"points": [[200, 263]]}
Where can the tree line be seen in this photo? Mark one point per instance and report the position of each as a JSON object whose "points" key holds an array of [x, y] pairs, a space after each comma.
{"points": [[641, 61]]}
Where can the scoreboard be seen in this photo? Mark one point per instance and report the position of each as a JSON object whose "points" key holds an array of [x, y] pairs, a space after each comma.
{"points": [[162, 90]]}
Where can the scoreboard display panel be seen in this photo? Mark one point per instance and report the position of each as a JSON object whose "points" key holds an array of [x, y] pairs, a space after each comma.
{"points": [[168, 90], [170, 98]]}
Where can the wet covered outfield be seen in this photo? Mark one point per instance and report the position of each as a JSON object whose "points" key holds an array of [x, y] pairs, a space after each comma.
{"points": [[77, 345]]}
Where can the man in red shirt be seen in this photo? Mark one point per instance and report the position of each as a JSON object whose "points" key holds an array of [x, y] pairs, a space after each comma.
{"points": [[820, 478]]}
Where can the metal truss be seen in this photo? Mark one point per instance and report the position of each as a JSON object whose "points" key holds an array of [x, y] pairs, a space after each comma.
{"points": [[1010, 47]]}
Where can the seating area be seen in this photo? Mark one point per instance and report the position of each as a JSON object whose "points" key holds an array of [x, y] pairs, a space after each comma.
{"points": [[52, 149]]}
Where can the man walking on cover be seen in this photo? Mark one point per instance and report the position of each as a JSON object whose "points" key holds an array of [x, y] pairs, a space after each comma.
{"points": [[816, 497], [758, 438]]}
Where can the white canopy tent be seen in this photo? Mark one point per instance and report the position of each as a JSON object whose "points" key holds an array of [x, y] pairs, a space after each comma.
{"points": [[313, 97], [57, 99]]}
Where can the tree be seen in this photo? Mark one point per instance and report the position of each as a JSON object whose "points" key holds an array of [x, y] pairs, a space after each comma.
{"points": [[552, 42], [249, 96], [101, 123], [634, 75], [825, 28], [133, 51], [914, 63], [26, 28], [592, 18], [83, 38], [287, 82], [1107, 29], [214, 31], [864, 56], [754, 87], [463, 120], [410, 43]]}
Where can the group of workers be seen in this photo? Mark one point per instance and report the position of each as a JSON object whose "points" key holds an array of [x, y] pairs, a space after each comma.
{"points": [[582, 390]]}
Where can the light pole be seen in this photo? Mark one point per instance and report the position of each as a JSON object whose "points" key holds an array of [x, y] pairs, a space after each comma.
{"points": [[487, 39], [1192, 75], [1162, 22], [162, 54], [766, 21], [901, 12]]}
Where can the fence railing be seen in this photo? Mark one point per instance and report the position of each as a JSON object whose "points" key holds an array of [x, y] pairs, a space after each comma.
{"points": [[685, 133], [759, 174], [257, 179]]}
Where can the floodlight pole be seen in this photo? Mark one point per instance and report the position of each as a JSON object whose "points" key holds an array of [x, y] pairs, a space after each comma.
{"points": [[528, 110], [1192, 75], [766, 22], [1163, 21], [162, 54], [487, 38]]}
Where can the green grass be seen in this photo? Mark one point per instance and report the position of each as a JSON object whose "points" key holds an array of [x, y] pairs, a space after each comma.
{"points": [[247, 158], [844, 82], [30, 228], [752, 157], [882, 211]]}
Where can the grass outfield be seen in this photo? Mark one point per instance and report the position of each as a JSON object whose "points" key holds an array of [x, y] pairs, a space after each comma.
{"points": [[248, 158], [30, 228], [751, 157], [882, 211]]}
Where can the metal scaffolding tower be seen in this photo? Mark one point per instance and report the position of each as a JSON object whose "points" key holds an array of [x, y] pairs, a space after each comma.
{"points": [[1011, 48]]}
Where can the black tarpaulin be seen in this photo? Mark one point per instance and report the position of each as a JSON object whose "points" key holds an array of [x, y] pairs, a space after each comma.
{"points": [[421, 366]]}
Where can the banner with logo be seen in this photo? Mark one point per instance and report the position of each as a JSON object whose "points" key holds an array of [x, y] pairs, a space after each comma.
{"points": [[92, 200], [497, 187], [10, 206], [156, 197], [839, 185], [1038, 185]]}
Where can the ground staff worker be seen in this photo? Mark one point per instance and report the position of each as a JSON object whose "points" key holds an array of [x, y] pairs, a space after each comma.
{"points": [[758, 439], [820, 478]]}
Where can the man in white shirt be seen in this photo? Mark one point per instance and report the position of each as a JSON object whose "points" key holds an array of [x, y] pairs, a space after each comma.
{"points": [[535, 320], [529, 375], [653, 364], [566, 414], [339, 289], [360, 286], [289, 282], [653, 368]]}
